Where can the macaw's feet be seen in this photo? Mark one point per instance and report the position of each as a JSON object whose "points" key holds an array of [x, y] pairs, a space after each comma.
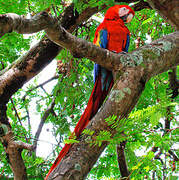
{"points": [[123, 52]]}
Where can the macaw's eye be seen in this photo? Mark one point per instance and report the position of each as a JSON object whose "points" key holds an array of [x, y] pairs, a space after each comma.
{"points": [[123, 11]]}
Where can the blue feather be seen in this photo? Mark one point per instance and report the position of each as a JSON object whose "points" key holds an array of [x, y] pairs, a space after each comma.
{"points": [[127, 43], [103, 44], [103, 38]]}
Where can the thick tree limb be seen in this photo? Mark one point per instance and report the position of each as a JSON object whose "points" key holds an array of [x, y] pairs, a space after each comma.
{"points": [[47, 44], [123, 97], [168, 9], [13, 150], [39, 56], [155, 52], [10, 22]]}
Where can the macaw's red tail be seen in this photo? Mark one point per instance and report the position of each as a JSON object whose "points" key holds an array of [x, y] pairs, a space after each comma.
{"points": [[96, 99]]}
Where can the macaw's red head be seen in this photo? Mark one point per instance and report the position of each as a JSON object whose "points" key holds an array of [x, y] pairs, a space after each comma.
{"points": [[123, 12]]}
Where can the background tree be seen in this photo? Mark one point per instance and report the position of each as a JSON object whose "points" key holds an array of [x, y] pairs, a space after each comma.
{"points": [[148, 135]]}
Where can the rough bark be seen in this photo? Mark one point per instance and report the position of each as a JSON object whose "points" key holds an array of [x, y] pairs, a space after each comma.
{"points": [[39, 56], [13, 150], [11, 21], [121, 101], [156, 51], [168, 9], [139, 67]]}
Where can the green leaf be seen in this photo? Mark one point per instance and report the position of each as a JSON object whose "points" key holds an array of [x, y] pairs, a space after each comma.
{"points": [[147, 168], [71, 141]]}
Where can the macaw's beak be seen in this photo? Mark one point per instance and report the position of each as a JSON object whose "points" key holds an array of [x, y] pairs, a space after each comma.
{"points": [[129, 18]]}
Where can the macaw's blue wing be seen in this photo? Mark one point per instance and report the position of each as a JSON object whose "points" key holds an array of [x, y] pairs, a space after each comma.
{"points": [[127, 43], [105, 75], [102, 42]]}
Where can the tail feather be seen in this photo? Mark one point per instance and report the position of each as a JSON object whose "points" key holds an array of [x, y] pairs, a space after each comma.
{"points": [[96, 99]]}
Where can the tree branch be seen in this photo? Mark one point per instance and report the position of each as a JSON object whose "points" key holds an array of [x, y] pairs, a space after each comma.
{"points": [[153, 53], [122, 160], [174, 156], [141, 5], [19, 119], [39, 56], [174, 82], [13, 22], [13, 150], [43, 119], [168, 10], [106, 58], [122, 98]]}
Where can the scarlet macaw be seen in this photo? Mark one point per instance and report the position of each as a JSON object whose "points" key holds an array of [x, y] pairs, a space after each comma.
{"points": [[111, 34]]}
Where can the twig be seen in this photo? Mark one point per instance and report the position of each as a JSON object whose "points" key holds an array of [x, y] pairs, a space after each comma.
{"points": [[3, 66], [44, 90], [40, 140], [157, 156], [53, 7], [122, 160], [153, 175], [40, 85], [28, 120], [44, 117], [174, 83], [175, 158], [17, 115]]}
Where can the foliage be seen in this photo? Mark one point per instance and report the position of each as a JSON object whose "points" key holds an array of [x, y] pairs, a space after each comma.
{"points": [[143, 129]]}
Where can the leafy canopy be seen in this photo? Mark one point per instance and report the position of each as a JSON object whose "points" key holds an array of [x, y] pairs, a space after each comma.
{"points": [[142, 130]]}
